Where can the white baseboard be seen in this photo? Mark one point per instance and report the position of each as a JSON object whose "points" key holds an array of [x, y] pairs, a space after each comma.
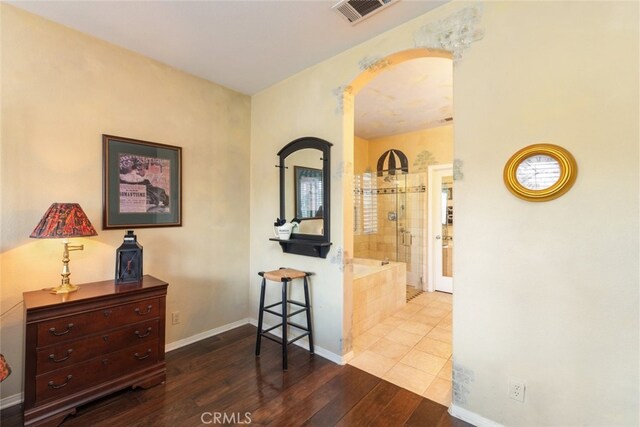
{"points": [[203, 335], [471, 417], [304, 343], [9, 401]]}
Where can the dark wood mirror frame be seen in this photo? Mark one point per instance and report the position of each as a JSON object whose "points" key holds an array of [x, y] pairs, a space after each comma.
{"points": [[316, 245]]}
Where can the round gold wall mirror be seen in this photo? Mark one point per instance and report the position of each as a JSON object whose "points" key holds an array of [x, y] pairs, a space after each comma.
{"points": [[540, 172]]}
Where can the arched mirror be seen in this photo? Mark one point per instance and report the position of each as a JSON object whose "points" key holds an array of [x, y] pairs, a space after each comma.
{"points": [[304, 195]]}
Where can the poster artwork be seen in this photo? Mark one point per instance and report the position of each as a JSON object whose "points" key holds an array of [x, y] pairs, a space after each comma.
{"points": [[145, 183]]}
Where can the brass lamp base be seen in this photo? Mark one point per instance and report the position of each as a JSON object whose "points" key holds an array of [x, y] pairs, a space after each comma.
{"points": [[63, 289], [66, 287]]}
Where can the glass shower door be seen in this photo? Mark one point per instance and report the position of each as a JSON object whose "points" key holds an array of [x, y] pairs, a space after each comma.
{"points": [[411, 223]]}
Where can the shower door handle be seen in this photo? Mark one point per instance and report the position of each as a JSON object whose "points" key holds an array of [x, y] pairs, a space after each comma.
{"points": [[404, 238]]}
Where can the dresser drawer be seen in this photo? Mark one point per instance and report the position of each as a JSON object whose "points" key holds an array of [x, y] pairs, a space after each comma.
{"points": [[65, 381], [71, 352], [80, 325]]}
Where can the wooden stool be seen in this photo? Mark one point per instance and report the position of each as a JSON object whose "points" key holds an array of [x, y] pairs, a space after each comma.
{"points": [[285, 276]]}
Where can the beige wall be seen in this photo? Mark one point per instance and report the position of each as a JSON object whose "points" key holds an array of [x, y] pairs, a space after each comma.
{"points": [[361, 155], [548, 292], [545, 292], [60, 91], [422, 148]]}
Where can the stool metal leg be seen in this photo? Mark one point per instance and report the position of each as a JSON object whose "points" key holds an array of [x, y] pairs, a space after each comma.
{"points": [[308, 303], [284, 325], [260, 315]]}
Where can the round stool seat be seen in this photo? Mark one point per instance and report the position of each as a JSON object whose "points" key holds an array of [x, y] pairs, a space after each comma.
{"points": [[284, 274]]}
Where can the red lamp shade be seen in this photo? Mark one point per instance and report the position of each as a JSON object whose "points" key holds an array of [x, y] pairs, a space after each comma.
{"points": [[64, 220]]}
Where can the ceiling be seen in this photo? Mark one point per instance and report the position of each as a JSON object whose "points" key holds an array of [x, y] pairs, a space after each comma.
{"points": [[249, 45], [411, 96], [245, 45]]}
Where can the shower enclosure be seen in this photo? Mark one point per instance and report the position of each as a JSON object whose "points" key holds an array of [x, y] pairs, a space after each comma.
{"points": [[390, 220]]}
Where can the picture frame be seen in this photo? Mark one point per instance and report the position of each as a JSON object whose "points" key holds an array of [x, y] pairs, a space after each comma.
{"points": [[308, 192], [142, 183]]}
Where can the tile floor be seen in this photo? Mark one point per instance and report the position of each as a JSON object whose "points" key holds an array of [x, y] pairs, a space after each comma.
{"points": [[412, 349]]}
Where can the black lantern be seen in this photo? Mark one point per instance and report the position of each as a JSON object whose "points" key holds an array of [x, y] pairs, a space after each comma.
{"points": [[129, 260]]}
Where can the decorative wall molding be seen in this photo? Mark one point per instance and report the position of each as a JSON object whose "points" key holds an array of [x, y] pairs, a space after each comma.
{"points": [[454, 33], [462, 379], [394, 190], [457, 169], [423, 160], [339, 93], [338, 259], [373, 63], [344, 169]]}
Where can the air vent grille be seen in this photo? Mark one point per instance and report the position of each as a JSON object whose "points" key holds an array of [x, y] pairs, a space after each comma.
{"points": [[365, 7], [347, 11], [357, 10]]}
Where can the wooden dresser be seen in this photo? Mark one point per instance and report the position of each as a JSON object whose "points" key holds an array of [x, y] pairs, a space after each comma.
{"points": [[100, 339]]}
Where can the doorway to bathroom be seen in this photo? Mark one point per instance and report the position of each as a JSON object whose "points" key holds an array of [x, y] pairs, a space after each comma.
{"points": [[403, 125]]}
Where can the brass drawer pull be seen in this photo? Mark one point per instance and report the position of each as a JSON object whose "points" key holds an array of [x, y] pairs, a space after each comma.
{"points": [[145, 335], [57, 334], [137, 356], [53, 385], [139, 313], [107, 313], [52, 357]]}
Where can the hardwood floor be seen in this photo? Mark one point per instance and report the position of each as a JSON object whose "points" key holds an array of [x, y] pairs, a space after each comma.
{"points": [[220, 381]]}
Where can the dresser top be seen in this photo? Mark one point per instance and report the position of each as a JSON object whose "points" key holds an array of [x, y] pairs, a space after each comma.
{"points": [[89, 291]]}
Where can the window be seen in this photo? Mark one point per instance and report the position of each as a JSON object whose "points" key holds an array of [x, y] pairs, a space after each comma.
{"points": [[365, 204]]}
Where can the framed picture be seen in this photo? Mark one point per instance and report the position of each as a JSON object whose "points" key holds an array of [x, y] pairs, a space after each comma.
{"points": [[142, 183], [308, 192]]}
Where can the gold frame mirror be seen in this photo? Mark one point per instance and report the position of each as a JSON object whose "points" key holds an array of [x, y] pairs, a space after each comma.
{"points": [[540, 172]]}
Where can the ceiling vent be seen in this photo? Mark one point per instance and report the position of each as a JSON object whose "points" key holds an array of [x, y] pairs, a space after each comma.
{"points": [[357, 10]]}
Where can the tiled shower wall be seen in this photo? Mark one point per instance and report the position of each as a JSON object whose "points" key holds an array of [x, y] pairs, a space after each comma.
{"points": [[402, 197]]}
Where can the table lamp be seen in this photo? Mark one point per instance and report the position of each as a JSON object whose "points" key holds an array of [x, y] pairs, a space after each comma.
{"points": [[64, 220]]}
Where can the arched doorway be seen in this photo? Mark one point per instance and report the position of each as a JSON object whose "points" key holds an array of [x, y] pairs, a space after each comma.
{"points": [[406, 343]]}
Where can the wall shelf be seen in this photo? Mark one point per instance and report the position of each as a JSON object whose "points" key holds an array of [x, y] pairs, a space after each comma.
{"points": [[308, 247]]}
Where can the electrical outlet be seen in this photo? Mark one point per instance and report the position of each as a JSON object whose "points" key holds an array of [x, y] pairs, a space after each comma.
{"points": [[516, 389], [175, 317]]}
